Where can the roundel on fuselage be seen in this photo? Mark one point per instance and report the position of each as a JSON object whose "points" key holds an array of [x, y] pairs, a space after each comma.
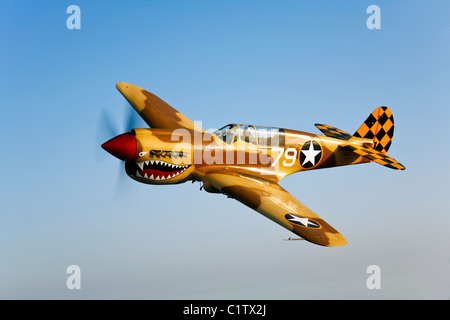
{"points": [[310, 154]]}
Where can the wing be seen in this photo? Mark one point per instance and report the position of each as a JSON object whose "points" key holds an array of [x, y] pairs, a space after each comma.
{"points": [[376, 156], [272, 201], [155, 112]]}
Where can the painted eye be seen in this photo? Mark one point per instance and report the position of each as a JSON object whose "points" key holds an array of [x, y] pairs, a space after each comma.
{"points": [[141, 154]]}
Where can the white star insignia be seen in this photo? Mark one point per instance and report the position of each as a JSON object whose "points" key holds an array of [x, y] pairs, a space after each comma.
{"points": [[303, 221], [310, 154]]}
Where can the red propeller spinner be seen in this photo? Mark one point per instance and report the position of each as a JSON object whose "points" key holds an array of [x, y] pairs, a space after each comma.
{"points": [[122, 147]]}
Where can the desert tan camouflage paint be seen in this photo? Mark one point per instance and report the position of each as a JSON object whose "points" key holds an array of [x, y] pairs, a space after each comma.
{"points": [[246, 162]]}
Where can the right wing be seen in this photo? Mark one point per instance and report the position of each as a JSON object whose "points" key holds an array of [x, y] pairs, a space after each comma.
{"points": [[155, 112], [272, 201]]}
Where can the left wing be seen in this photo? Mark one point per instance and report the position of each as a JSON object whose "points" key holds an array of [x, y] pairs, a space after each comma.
{"points": [[155, 112], [272, 201]]}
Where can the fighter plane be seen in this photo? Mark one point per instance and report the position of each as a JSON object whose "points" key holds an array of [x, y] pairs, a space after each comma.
{"points": [[245, 162]]}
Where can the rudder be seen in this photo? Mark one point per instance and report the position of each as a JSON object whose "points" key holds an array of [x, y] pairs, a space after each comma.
{"points": [[379, 126]]}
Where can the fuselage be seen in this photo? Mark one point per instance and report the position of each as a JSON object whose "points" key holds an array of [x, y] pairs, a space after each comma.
{"points": [[175, 156]]}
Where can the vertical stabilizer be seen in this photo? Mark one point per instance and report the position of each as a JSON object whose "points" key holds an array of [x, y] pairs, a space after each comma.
{"points": [[379, 126]]}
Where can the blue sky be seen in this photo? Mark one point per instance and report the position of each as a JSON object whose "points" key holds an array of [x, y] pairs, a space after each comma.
{"points": [[277, 63]]}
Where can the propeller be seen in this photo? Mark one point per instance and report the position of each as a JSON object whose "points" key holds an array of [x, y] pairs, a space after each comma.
{"points": [[108, 128]]}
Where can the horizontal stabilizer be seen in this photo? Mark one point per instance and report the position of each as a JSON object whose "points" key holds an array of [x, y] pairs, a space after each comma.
{"points": [[374, 155], [333, 132]]}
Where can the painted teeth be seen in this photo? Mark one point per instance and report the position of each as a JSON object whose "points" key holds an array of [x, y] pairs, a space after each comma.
{"points": [[159, 162], [161, 177], [179, 169]]}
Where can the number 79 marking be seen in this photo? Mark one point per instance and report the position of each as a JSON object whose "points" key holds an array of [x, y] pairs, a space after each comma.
{"points": [[289, 154]]}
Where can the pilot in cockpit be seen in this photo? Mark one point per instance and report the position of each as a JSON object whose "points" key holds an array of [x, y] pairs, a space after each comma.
{"points": [[247, 134]]}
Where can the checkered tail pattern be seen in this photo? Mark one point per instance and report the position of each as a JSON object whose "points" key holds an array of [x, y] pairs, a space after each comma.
{"points": [[379, 126]]}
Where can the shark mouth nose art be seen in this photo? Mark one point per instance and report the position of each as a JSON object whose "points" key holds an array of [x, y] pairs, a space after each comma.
{"points": [[157, 170]]}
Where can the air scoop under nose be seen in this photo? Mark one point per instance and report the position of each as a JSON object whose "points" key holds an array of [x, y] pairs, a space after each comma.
{"points": [[122, 147]]}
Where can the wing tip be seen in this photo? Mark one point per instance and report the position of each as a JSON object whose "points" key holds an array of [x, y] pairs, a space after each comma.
{"points": [[328, 239]]}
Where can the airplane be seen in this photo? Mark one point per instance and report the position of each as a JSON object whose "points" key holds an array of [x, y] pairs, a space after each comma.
{"points": [[245, 162]]}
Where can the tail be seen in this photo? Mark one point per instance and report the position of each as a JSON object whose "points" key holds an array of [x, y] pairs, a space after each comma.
{"points": [[379, 126]]}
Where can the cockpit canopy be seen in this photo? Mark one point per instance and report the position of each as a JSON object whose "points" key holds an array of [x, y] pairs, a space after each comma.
{"points": [[257, 135]]}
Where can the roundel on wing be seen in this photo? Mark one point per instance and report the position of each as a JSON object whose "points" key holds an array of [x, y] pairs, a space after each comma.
{"points": [[310, 154], [299, 220]]}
